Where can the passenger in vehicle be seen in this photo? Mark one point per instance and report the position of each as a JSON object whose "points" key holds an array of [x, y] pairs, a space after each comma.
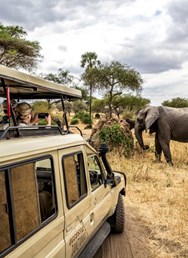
{"points": [[6, 121], [25, 117]]}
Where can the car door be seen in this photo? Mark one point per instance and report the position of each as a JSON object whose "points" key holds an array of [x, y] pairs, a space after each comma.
{"points": [[100, 191], [77, 199]]}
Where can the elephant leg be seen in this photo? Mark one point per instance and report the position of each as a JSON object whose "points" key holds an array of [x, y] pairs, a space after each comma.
{"points": [[166, 150], [158, 149]]}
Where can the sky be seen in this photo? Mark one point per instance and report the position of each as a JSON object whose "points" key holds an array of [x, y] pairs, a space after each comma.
{"points": [[151, 36]]}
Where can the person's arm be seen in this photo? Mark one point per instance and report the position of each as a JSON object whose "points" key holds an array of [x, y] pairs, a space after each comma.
{"points": [[48, 119], [34, 119]]}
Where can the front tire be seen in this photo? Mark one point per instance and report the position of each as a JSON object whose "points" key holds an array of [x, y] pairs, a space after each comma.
{"points": [[117, 220]]}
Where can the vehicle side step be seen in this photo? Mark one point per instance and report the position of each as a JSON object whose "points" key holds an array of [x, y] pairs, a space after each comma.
{"points": [[92, 247]]}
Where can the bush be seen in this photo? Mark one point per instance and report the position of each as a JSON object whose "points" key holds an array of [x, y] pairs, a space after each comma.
{"points": [[115, 137], [86, 118], [74, 121], [79, 114], [83, 116]]}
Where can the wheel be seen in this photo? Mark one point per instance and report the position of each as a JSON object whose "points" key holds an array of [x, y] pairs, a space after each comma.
{"points": [[117, 220]]}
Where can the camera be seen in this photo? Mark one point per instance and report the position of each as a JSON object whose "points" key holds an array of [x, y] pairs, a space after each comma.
{"points": [[42, 115]]}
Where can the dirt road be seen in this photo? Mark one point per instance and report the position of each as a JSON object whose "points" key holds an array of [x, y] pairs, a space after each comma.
{"points": [[133, 243], [138, 241]]}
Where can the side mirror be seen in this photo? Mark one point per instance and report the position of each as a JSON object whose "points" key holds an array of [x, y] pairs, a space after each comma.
{"points": [[113, 182], [109, 182]]}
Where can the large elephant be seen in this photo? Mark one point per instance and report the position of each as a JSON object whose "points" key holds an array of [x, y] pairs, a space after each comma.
{"points": [[168, 124]]}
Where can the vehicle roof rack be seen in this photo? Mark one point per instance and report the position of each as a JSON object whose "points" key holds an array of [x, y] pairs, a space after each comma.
{"points": [[30, 131]]}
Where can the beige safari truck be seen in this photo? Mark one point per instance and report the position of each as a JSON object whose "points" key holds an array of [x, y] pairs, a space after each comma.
{"points": [[58, 196]]}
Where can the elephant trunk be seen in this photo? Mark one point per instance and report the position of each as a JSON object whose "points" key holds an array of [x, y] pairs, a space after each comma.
{"points": [[138, 134]]}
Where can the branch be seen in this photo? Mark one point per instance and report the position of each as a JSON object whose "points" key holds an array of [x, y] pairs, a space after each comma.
{"points": [[117, 93]]}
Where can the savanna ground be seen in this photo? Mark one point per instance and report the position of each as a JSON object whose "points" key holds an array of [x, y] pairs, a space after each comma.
{"points": [[156, 204]]}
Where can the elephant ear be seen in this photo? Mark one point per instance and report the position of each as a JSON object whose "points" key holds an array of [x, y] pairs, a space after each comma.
{"points": [[151, 117]]}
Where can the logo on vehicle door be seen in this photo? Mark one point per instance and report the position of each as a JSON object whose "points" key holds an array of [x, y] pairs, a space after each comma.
{"points": [[77, 240]]}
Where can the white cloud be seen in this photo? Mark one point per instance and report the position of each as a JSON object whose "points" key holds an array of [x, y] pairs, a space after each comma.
{"points": [[151, 36]]}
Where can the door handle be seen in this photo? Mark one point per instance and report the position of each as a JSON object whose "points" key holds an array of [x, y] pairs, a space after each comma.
{"points": [[92, 215], [95, 201]]}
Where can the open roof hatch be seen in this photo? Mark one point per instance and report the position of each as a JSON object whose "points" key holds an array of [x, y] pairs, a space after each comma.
{"points": [[19, 85]]}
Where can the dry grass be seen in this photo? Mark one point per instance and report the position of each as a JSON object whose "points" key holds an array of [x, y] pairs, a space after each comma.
{"points": [[159, 192]]}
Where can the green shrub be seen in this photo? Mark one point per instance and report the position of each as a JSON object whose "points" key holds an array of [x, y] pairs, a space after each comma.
{"points": [[83, 116], [116, 138], [86, 118], [74, 121], [79, 114]]}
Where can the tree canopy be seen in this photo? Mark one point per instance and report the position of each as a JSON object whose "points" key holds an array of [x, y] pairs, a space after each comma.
{"points": [[129, 103], [16, 51], [89, 60], [176, 102], [113, 79]]}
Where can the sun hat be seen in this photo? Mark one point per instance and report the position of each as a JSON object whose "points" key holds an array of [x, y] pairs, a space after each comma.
{"points": [[23, 109]]}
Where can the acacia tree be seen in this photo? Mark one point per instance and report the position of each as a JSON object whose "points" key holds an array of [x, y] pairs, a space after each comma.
{"points": [[129, 103], [114, 78], [89, 61], [16, 51]]}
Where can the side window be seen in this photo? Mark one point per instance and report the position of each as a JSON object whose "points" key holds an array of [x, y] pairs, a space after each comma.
{"points": [[46, 189], [75, 180], [5, 237], [95, 171], [26, 200]]}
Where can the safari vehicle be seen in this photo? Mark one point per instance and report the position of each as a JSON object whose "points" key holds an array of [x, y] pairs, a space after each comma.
{"points": [[58, 196]]}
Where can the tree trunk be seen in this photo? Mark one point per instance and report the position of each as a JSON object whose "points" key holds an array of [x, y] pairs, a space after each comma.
{"points": [[110, 105], [90, 103]]}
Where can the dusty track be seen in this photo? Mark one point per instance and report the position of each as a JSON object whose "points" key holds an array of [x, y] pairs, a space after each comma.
{"points": [[139, 241], [133, 243]]}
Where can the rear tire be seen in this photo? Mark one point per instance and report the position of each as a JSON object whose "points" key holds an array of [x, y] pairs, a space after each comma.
{"points": [[117, 220]]}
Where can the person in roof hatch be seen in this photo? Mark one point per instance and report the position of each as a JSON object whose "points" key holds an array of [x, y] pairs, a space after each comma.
{"points": [[6, 121], [25, 116]]}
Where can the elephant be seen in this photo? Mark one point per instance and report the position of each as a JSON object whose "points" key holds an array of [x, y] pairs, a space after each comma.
{"points": [[168, 124]]}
